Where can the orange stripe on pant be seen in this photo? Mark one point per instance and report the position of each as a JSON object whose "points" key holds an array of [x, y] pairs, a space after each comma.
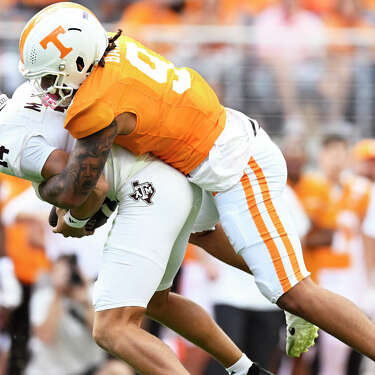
{"points": [[275, 217], [265, 234]]}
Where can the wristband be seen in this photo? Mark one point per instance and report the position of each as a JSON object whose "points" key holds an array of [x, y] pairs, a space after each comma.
{"points": [[73, 222], [107, 211]]}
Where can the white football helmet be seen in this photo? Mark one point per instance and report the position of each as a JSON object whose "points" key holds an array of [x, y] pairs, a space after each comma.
{"points": [[65, 40]]}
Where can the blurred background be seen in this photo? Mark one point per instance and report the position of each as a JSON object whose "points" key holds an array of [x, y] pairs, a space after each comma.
{"points": [[305, 69]]}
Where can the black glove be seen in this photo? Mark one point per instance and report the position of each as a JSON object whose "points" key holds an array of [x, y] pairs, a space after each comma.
{"points": [[96, 221]]}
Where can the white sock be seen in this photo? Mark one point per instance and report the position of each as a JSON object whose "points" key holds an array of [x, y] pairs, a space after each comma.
{"points": [[241, 367]]}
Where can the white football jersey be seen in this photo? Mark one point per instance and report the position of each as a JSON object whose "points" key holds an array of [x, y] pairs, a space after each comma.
{"points": [[29, 132], [23, 118]]}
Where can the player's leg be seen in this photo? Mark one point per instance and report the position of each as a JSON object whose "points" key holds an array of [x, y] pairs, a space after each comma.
{"points": [[193, 323], [329, 311], [154, 206], [333, 313], [216, 243], [119, 332], [259, 227], [209, 235], [189, 319]]}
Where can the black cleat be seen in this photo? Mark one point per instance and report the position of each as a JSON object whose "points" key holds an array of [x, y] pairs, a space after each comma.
{"points": [[255, 369]]}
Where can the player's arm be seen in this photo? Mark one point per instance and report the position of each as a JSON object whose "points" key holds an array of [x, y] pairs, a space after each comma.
{"points": [[71, 187], [55, 165]]}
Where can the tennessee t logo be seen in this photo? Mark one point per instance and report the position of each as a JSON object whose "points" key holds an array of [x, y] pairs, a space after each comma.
{"points": [[53, 38]]}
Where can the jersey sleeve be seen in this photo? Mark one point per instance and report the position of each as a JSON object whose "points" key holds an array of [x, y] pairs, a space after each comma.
{"points": [[34, 155], [82, 122]]}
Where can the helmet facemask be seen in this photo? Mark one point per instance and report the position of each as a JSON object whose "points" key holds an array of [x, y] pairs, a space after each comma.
{"points": [[56, 94]]}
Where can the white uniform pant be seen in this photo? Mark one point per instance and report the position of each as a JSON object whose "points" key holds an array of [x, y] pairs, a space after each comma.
{"points": [[148, 239], [258, 223]]}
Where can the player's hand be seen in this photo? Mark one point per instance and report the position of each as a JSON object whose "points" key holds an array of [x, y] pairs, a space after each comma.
{"points": [[66, 230]]}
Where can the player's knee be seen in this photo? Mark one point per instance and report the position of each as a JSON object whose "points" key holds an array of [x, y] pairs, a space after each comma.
{"points": [[298, 299], [158, 303], [111, 324], [101, 335]]}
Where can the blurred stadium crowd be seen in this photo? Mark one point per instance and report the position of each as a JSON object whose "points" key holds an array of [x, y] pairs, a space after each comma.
{"points": [[305, 69]]}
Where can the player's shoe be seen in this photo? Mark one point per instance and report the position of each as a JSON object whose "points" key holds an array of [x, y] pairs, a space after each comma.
{"points": [[255, 369], [300, 335]]}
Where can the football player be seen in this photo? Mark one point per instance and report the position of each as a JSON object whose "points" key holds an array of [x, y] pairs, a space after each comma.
{"points": [[129, 95], [147, 242]]}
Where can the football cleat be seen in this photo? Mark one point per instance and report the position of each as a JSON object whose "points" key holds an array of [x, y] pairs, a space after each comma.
{"points": [[300, 335], [255, 369]]}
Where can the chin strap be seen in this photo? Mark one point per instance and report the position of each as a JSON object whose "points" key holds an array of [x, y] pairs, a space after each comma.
{"points": [[3, 101]]}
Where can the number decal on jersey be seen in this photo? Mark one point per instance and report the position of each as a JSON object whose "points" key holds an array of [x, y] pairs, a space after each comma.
{"points": [[3, 151], [156, 68]]}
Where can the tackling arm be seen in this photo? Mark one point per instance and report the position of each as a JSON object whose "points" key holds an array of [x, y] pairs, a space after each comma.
{"points": [[55, 164], [71, 187]]}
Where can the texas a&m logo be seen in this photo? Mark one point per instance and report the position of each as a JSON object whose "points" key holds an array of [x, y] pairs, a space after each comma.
{"points": [[144, 191]]}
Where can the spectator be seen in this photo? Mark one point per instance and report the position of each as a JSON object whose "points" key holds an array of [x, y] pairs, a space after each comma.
{"points": [[342, 205], [341, 57], [10, 298], [364, 158], [288, 43], [25, 246], [62, 317], [148, 12], [315, 191], [295, 154]]}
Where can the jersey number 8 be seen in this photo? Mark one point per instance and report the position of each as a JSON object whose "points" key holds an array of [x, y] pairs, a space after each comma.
{"points": [[158, 71]]}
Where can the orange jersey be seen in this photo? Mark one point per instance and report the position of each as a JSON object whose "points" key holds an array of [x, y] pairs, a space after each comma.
{"points": [[28, 259], [179, 117], [10, 187], [340, 209], [325, 203], [315, 195]]}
